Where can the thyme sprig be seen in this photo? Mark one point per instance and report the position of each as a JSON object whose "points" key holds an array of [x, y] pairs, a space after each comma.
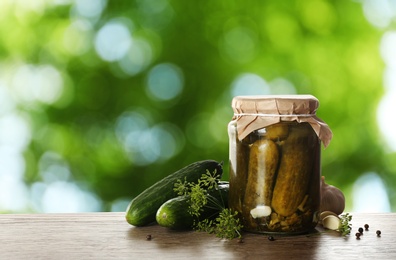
{"points": [[345, 225], [227, 224]]}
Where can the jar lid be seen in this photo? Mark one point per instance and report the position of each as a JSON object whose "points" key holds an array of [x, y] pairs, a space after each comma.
{"points": [[255, 112]]}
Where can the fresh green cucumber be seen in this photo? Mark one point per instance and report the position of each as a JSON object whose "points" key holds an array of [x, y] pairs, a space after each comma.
{"points": [[174, 213], [142, 209]]}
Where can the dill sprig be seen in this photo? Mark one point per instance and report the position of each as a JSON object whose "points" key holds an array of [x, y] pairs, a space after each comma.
{"points": [[182, 187], [198, 199], [209, 180], [227, 224]]}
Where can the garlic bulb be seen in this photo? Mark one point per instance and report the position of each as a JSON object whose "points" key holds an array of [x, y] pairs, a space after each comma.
{"points": [[331, 198]]}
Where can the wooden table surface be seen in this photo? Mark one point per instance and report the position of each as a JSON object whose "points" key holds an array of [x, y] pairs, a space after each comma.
{"points": [[109, 236]]}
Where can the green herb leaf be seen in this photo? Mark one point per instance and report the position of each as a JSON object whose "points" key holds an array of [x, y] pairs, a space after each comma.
{"points": [[345, 226]]}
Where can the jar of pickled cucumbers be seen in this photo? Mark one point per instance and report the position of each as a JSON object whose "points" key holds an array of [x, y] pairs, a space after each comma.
{"points": [[275, 162]]}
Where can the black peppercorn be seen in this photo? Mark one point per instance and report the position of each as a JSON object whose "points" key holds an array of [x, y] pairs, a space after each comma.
{"points": [[361, 230], [378, 233], [271, 238], [366, 226], [358, 235], [148, 237]]}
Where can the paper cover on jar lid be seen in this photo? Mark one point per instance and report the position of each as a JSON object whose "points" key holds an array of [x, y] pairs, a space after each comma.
{"points": [[255, 112]]}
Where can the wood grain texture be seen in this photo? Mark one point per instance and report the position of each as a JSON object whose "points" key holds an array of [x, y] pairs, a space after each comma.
{"points": [[109, 236]]}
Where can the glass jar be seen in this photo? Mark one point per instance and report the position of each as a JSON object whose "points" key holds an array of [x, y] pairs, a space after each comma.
{"points": [[275, 146]]}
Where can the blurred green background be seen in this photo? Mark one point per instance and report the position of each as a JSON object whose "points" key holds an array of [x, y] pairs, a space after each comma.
{"points": [[99, 99]]}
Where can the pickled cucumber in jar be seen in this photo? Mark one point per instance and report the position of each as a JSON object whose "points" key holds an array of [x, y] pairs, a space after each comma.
{"points": [[263, 162]]}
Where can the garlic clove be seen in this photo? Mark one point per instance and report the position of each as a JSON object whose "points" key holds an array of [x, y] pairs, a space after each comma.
{"points": [[325, 214], [331, 222], [261, 211]]}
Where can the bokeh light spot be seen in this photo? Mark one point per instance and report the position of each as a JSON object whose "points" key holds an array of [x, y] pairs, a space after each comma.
{"points": [[388, 49], [138, 57], [66, 197], [13, 194], [385, 118], [13, 191], [7, 103], [41, 83], [249, 84], [165, 82], [365, 201], [113, 41], [90, 8], [146, 144], [52, 168], [131, 123], [387, 106], [120, 204], [170, 140], [15, 132], [379, 12]]}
